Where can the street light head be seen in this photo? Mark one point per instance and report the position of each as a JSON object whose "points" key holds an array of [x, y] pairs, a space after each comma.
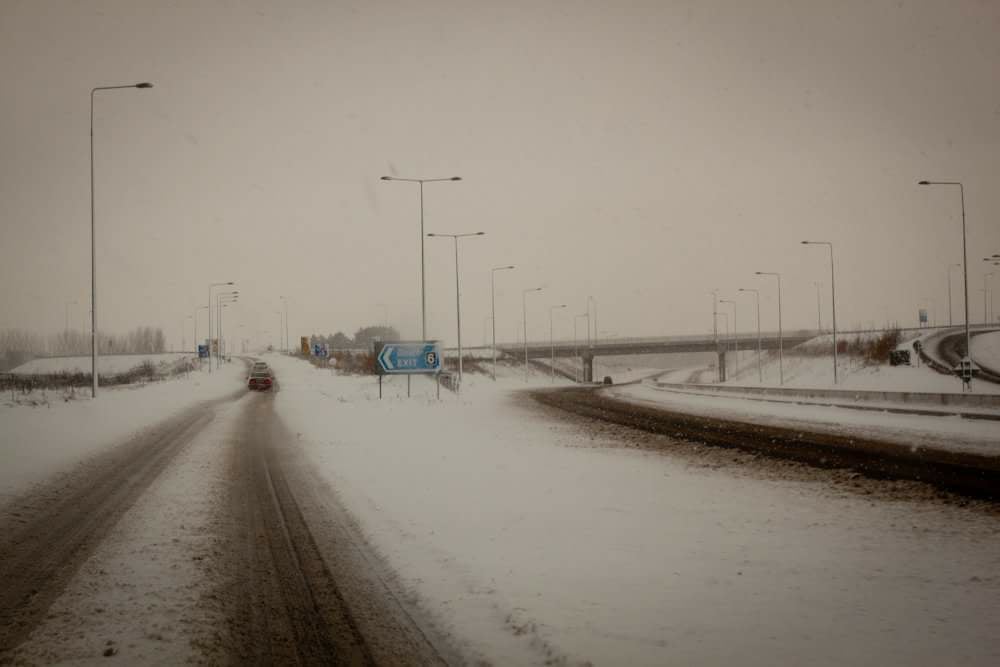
{"points": [[759, 273], [430, 234], [480, 234], [456, 178], [144, 84], [386, 178], [923, 182]]}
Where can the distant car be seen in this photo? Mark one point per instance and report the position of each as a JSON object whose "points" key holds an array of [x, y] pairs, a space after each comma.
{"points": [[260, 380], [260, 365]]}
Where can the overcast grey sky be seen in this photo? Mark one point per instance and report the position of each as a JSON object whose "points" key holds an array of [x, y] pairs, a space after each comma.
{"points": [[643, 153]]}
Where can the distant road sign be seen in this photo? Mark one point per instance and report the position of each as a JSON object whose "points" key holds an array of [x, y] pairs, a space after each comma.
{"points": [[203, 351], [418, 357], [319, 351]]}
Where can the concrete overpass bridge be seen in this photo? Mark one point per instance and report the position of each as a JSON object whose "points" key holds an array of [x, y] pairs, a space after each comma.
{"points": [[651, 345]]}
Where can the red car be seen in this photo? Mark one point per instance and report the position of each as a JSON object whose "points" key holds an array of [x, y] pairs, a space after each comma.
{"points": [[260, 380]]}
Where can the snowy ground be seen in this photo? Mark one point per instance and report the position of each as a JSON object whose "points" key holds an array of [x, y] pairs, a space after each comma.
{"points": [[106, 364], [986, 349], [537, 541], [940, 432], [138, 594], [37, 442], [817, 373]]}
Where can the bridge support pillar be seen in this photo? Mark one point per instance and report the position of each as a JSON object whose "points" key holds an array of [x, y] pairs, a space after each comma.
{"points": [[722, 365], [588, 367]]}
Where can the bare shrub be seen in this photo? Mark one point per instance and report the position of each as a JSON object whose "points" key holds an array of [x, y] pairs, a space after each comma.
{"points": [[876, 349]]}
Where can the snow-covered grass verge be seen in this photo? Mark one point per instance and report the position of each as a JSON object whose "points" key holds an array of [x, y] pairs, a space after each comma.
{"points": [[540, 542], [106, 364], [939, 432], [37, 442], [986, 350], [137, 597], [810, 372]]}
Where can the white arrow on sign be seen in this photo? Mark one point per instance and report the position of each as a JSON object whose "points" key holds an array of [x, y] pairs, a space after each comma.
{"points": [[383, 358]]}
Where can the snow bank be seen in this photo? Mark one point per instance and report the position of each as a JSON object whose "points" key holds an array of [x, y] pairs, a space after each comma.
{"points": [[535, 544], [38, 442]]}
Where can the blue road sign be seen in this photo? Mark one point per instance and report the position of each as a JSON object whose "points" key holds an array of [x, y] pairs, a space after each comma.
{"points": [[319, 351], [420, 357], [203, 351]]}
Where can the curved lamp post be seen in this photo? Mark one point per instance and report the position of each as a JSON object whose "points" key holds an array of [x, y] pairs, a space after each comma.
{"points": [[93, 238], [423, 296], [458, 299], [781, 339], [965, 269], [833, 301]]}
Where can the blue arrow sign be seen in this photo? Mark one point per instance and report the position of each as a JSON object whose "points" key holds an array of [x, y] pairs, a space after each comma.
{"points": [[422, 357]]}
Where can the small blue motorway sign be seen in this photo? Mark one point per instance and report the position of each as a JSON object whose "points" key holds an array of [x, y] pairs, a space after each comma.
{"points": [[418, 357], [203, 351]]}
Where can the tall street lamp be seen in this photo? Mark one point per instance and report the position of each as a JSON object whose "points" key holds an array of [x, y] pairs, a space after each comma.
{"points": [[212, 286], [458, 297], [967, 360], [93, 238], [987, 316], [552, 343], [493, 311], [281, 327], [951, 322], [781, 338], [590, 300], [760, 371], [725, 318], [524, 322], [819, 307], [576, 350], [285, 299], [423, 295], [223, 300], [736, 342], [715, 329], [833, 301]]}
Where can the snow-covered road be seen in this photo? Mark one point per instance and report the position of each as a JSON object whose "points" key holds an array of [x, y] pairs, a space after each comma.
{"points": [[519, 535], [533, 539]]}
